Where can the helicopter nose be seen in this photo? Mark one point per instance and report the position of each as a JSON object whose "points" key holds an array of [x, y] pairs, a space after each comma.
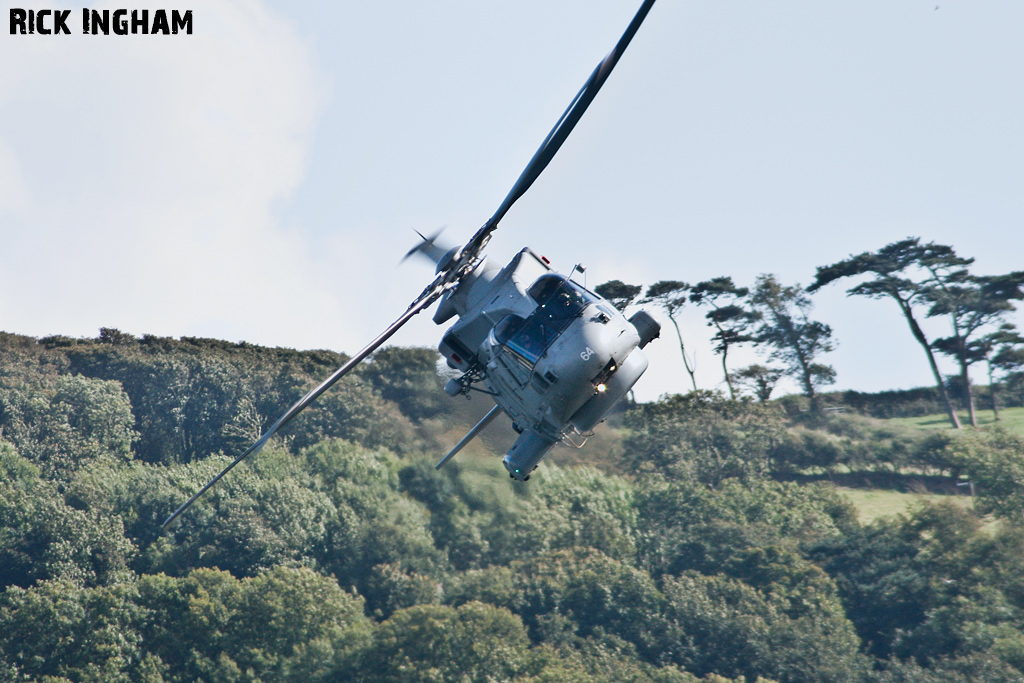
{"points": [[609, 343], [581, 360]]}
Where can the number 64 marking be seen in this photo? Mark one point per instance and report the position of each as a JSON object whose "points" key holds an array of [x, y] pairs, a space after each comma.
{"points": [[585, 355]]}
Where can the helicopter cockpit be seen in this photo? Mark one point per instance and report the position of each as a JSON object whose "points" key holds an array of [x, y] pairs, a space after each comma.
{"points": [[559, 297], [560, 301]]}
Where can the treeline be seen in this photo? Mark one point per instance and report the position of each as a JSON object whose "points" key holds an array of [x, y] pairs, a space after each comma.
{"points": [[340, 554], [923, 400], [173, 400], [924, 280]]}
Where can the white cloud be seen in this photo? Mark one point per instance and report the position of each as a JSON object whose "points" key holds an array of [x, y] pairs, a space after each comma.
{"points": [[144, 174]]}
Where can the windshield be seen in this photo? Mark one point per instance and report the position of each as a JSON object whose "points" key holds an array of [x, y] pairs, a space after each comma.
{"points": [[560, 302], [558, 294]]}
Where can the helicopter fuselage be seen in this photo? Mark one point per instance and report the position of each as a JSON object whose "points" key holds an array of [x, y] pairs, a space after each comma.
{"points": [[554, 355]]}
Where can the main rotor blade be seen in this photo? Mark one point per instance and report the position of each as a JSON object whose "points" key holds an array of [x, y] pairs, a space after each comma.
{"points": [[488, 419], [560, 132], [429, 296]]}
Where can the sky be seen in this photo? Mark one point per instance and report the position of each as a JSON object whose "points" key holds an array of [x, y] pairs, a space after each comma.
{"points": [[260, 179]]}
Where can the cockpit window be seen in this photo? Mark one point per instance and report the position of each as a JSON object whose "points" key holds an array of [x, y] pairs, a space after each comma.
{"points": [[560, 301], [560, 296], [526, 340], [544, 287], [507, 327]]}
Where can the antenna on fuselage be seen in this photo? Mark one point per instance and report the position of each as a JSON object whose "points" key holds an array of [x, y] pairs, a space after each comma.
{"points": [[579, 267]]}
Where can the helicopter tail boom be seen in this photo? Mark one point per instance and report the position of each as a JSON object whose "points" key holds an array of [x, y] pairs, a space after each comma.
{"points": [[525, 453]]}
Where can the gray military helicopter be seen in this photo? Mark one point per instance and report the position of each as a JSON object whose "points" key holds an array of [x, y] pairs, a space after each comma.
{"points": [[553, 355]]}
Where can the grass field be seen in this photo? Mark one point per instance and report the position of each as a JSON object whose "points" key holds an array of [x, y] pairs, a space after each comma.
{"points": [[874, 503], [1010, 418]]}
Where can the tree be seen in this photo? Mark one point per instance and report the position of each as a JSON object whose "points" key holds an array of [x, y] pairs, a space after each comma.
{"points": [[579, 590], [45, 538], [703, 437], [670, 295], [880, 580], [287, 624], [731, 320], [721, 625], [972, 303], [579, 507], [893, 269], [792, 337], [934, 587], [994, 462], [760, 379], [67, 422], [408, 377], [1004, 354], [619, 293], [472, 643], [60, 631]]}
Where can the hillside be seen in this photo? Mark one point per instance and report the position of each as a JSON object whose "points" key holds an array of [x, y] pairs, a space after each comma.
{"points": [[1011, 419], [695, 539]]}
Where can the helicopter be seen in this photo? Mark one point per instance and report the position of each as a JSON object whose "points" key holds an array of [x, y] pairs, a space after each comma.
{"points": [[555, 356]]}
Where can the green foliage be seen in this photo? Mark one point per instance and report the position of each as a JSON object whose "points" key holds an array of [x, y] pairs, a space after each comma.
{"points": [[994, 461], [42, 537], [721, 625], [703, 436], [933, 588], [476, 643], [875, 568], [65, 422], [981, 667], [731, 321], [858, 442], [789, 334], [580, 592], [619, 293], [325, 559], [373, 523], [248, 525], [60, 629], [408, 377], [194, 397], [888, 404], [98, 415], [481, 520], [702, 624], [972, 303], [685, 526], [758, 379], [570, 508], [285, 625]]}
